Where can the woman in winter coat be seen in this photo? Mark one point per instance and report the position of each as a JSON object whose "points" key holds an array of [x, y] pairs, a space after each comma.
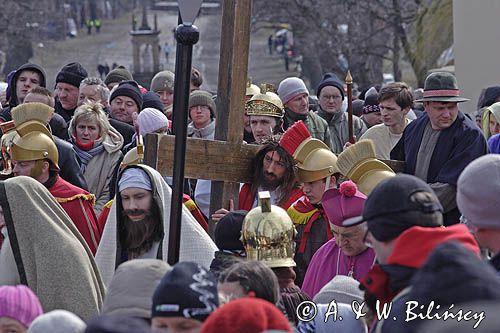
{"points": [[98, 147]]}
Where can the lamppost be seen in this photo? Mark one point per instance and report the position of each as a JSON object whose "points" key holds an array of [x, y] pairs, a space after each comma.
{"points": [[186, 35]]}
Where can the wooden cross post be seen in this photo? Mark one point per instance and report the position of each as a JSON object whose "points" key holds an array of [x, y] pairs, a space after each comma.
{"points": [[226, 160]]}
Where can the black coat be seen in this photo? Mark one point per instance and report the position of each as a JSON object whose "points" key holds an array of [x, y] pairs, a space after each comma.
{"points": [[68, 164], [59, 127]]}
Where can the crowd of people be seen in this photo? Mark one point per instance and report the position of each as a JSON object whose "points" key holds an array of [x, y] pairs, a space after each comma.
{"points": [[324, 224]]}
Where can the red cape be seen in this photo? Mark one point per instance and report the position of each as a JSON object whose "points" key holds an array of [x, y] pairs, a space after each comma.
{"points": [[79, 205], [247, 198]]}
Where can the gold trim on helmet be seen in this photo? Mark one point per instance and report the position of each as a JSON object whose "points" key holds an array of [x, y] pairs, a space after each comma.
{"points": [[252, 89], [35, 146], [135, 155], [268, 234], [315, 161], [266, 103]]}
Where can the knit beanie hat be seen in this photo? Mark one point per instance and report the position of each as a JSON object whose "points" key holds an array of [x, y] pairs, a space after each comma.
{"points": [[227, 232], [480, 180], [330, 79], [151, 100], [117, 324], [291, 87], [247, 314], [58, 321], [342, 289], [150, 120], [163, 80], [118, 74], [188, 290], [19, 303], [129, 89], [72, 73], [201, 97], [371, 104], [131, 290]]}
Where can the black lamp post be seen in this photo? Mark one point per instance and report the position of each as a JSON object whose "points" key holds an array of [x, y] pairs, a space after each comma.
{"points": [[186, 35]]}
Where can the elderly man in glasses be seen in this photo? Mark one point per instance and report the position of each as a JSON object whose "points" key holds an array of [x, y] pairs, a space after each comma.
{"points": [[345, 253]]}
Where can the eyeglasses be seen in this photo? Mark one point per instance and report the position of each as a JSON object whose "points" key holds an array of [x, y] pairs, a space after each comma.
{"points": [[328, 97], [347, 236]]}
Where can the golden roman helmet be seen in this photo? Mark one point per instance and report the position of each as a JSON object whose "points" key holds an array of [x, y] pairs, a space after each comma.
{"points": [[359, 164], [135, 155], [34, 143], [8, 135], [314, 159], [268, 234], [252, 89], [266, 103]]}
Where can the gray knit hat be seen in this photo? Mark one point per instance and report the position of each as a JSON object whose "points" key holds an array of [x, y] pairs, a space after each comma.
{"points": [[478, 184], [201, 97], [162, 81], [342, 289], [291, 87], [57, 321], [118, 75]]}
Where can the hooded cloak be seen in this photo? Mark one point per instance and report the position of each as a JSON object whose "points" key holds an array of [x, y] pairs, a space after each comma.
{"points": [[195, 244], [50, 255]]}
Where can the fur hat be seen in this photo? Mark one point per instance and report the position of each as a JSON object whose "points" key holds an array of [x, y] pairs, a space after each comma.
{"points": [[163, 80], [72, 73], [118, 75], [291, 87], [200, 97]]}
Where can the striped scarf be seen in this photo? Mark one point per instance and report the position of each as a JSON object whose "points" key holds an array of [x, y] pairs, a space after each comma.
{"points": [[86, 155]]}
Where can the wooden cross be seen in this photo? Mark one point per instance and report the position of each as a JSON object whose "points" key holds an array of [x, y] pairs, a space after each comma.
{"points": [[227, 160]]}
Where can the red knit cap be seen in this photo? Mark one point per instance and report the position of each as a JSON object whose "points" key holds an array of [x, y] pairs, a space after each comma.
{"points": [[249, 315]]}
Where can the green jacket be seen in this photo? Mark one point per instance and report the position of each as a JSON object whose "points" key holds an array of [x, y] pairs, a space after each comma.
{"points": [[339, 129], [316, 125]]}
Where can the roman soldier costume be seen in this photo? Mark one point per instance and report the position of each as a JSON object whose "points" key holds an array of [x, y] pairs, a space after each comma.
{"points": [[34, 142]]}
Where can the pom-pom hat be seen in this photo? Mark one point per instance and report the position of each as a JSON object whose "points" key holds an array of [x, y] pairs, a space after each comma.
{"points": [[343, 203]]}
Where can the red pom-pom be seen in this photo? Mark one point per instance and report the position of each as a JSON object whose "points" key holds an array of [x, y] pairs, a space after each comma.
{"points": [[348, 188]]}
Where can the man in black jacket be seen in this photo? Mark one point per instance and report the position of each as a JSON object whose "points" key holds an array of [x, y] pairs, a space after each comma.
{"points": [[67, 89]]}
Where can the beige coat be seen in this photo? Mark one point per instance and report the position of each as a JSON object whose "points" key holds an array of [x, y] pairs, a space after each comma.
{"points": [[50, 256], [100, 168]]}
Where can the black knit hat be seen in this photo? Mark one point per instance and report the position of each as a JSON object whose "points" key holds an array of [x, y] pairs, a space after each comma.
{"points": [[118, 74], [188, 290], [117, 324], [72, 73], [151, 100], [330, 79], [129, 89], [371, 104], [227, 232]]}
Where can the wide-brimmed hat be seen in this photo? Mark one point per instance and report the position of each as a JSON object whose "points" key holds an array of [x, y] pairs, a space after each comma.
{"points": [[441, 87]]}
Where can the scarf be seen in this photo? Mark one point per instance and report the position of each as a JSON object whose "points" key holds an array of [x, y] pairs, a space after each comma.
{"points": [[85, 152]]}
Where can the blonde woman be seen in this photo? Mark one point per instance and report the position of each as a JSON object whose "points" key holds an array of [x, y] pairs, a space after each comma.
{"points": [[98, 147]]}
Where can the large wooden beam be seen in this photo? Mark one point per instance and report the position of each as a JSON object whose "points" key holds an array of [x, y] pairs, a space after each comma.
{"points": [[233, 67], [205, 159]]}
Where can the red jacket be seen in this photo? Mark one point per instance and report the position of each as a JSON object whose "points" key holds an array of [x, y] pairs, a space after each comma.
{"points": [[247, 198], [79, 205], [411, 249]]}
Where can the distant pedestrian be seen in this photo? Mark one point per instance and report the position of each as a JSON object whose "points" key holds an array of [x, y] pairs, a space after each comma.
{"points": [[167, 49], [270, 44]]}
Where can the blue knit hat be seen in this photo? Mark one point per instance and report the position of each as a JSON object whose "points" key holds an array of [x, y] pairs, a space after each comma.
{"points": [[330, 79]]}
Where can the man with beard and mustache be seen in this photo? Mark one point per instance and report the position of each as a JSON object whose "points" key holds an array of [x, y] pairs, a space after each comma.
{"points": [[138, 224], [272, 170]]}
